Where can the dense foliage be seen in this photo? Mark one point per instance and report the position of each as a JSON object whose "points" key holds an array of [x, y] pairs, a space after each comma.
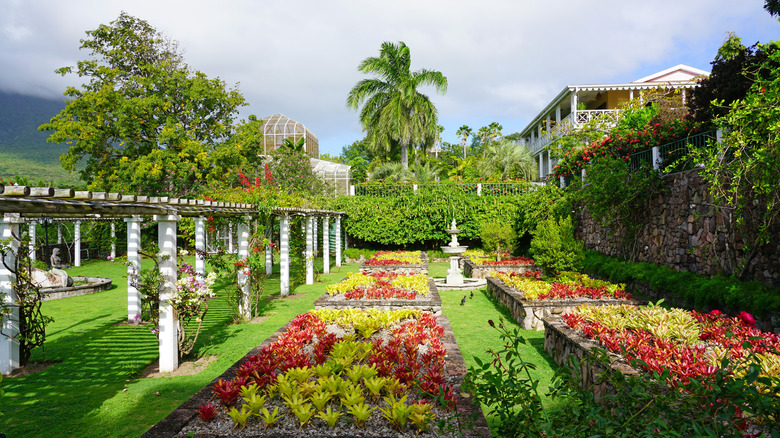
{"points": [[742, 170], [555, 248], [144, 121], [409, 219], [687, 288]]}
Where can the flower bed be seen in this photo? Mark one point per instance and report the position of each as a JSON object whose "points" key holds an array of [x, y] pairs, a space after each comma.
{"points": [[530, 298], [410, 262], [385, 290], [690, 344], [337, 373]]}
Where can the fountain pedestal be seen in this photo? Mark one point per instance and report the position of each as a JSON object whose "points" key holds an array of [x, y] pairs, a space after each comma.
{"points": [[455, 279]]}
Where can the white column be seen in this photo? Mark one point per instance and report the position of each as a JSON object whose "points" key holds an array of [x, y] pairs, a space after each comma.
{"points": [[133, 266], [284, 255], [31, 245], [269, 260], [244, 302], [168, 337], [77, 243], [338, 240], [230, 238], [541, 164], [583, 174], [314, 227], [309, 248], [200, 245], [326, 244], [574, 108], [549, 162], [9, 340], [479, 189], [351, 190], [563, 182], [59, 233], [557, 114], [113, 240]]}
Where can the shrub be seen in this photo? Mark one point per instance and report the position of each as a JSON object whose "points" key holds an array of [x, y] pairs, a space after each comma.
{"points": [[497, 236], [554, 247]]}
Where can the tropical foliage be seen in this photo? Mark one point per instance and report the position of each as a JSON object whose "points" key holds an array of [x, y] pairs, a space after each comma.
{"points": [[394, 113]]}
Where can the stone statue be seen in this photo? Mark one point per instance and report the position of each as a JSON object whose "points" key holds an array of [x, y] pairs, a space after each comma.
{"points": [[56, 261]]}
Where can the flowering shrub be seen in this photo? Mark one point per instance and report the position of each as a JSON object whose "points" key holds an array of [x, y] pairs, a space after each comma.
{"points": [[383, 258], [624, 144], [381, 286], [314, 370], [567, 285]]}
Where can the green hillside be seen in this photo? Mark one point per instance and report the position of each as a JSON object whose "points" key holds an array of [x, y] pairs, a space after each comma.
{"points": [[23, 149]]}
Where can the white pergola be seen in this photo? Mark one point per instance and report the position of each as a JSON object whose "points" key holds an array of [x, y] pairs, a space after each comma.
{"points": [[19, 204]]}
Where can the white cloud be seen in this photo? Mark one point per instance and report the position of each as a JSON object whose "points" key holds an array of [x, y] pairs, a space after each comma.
{"points": [[504, 59]]}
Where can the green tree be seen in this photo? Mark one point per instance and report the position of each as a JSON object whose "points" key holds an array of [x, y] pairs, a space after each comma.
{"points": [[498, 236], [394, 112], [464, 132], [742, 170], [144, 118], [506, 160]]}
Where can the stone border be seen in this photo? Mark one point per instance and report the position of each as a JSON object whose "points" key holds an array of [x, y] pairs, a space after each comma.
{"points": [[94, 285], [562, 342], [531, 313], [431, 303], [455, 369], [471, 269]]}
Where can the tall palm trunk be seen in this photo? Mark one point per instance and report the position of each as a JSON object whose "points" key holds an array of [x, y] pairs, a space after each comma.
{"points": [[405, 156]]}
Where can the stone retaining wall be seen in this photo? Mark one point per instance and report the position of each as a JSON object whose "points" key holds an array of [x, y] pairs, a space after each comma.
{"points": [[471, 269], [530, 314], [682, 230], [562, 343], [431, 303]]}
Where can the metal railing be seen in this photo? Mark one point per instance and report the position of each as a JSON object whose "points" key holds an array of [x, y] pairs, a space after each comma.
{"points": [[670, 153], [479, 189]]}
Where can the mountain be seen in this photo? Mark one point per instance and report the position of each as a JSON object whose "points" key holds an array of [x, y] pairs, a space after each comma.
{"points": [[24, 151]]}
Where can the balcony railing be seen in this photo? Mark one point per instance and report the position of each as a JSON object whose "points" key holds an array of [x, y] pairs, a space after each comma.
{"points": [[569, 123]]}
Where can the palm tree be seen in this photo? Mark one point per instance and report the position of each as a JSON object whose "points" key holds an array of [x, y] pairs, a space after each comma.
{"points": [[395, 113], [505, 160], [391, 172], [464, 132]]}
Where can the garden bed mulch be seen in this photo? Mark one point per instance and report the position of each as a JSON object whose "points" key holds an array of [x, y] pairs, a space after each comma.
{"points": [[431, 303], [530, 314], [468, 416]]}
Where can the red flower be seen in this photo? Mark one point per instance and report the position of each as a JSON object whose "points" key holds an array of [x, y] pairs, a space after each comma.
{"points": [[747, 318]]}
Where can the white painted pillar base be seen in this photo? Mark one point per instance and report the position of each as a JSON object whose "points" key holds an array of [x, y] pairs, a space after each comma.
{"points": [[284, 255], [133, 266], [169, 336], [326, 245], [9, 341], [309, 250], [338, 240], [200, 245], [244, 302], [113, 240], [77, 244]]}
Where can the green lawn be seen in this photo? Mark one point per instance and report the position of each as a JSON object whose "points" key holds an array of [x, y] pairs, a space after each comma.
{"points": [[93, 390]]}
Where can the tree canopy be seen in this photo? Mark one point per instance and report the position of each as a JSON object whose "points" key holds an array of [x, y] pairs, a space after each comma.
{"points": [[394, 113], [143, 121]]}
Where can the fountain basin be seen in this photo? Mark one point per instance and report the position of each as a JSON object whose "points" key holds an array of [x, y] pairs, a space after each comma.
{"points": [[453, 249], [92, 285]]}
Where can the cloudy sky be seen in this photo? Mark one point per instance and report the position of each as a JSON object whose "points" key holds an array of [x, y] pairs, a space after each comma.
{"points": [[504, 59]]}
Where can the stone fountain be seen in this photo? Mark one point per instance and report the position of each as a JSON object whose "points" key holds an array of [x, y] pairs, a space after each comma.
{"points": [[455, 279]]}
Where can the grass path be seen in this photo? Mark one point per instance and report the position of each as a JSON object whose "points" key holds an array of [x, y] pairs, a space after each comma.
{"points": [[93, 390]]}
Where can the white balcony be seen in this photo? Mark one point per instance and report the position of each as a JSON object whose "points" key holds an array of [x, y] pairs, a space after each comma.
{"points": [[569, 123]]}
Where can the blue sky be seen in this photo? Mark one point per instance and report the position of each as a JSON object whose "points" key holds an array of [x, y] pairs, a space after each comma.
{"points": [[504, 59]]}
